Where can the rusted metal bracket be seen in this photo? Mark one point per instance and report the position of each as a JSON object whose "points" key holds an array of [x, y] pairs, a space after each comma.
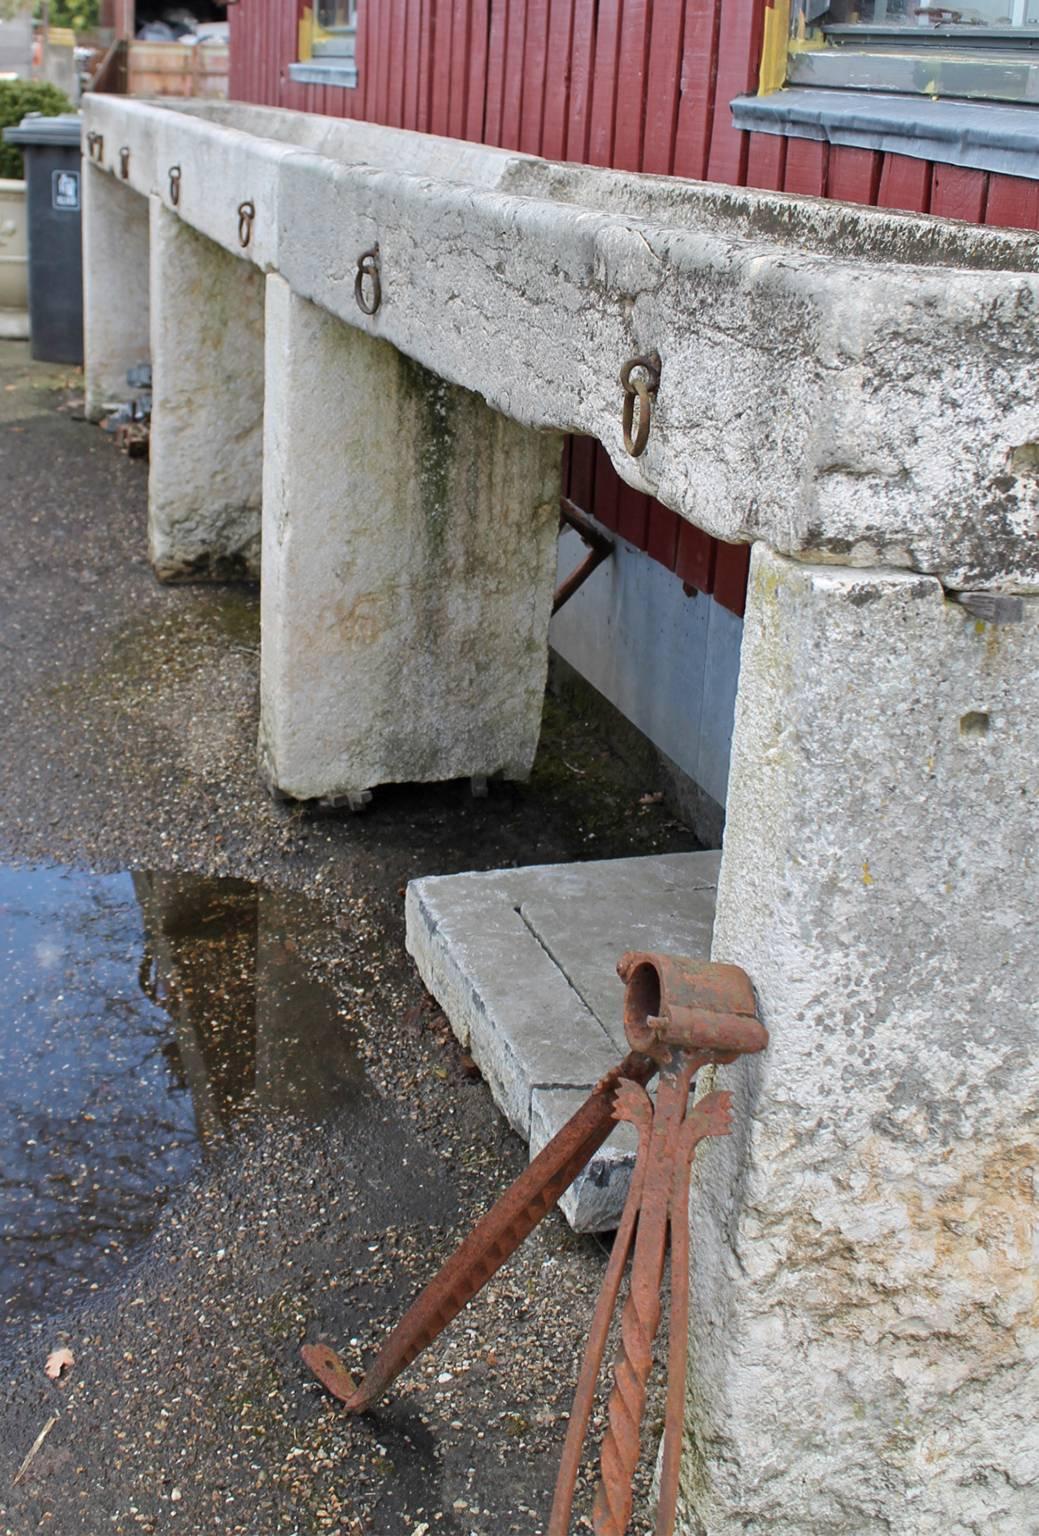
{"points": [[679, 1015], [599, 546]]}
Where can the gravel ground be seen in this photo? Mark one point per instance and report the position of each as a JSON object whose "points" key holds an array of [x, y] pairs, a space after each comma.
{"points": [[127, 731]]}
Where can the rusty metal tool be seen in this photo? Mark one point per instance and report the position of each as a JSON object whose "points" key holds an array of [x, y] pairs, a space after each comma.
{"points": [[679, 1015]]}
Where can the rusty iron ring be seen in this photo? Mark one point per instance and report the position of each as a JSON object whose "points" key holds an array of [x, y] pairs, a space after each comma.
{"points": [[246, 214], [175, 185], [124, 162], [644, 390], [96, 146], [368, 266]]}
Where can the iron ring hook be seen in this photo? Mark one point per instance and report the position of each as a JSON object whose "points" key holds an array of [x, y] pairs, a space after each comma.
{"points": [[175, 185], [246, 214], [642, 389], [368, 266], [124, 162]]}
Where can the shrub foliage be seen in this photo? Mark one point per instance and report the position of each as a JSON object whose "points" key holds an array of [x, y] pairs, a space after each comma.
{"points": [[17, 98]]}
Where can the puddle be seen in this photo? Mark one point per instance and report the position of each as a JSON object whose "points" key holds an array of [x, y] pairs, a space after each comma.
{"points": [[139, 1015]]}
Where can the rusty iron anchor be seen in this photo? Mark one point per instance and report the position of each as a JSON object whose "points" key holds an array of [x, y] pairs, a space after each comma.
{"points": [[679, 1015]]}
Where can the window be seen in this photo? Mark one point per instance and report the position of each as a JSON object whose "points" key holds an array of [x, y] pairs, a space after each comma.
{"points": [[985, 50], [328, 44], [335, 29]]}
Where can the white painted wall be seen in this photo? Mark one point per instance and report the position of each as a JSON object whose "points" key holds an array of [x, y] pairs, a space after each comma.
{"points": [[668, 662]]}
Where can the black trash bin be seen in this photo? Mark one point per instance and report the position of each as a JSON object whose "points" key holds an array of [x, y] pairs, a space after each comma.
{"points": [[52, 170]]}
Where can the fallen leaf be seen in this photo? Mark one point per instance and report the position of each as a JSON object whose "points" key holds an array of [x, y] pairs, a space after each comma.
{"points": [[652, 799], [58, 1361]]}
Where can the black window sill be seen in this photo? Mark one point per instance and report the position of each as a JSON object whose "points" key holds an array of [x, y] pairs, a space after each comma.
{"points": [[980, 136], [325, 72]]}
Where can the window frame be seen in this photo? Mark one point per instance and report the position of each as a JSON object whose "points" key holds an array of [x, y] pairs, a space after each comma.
{"points": [[326, 55], [949, 61]]}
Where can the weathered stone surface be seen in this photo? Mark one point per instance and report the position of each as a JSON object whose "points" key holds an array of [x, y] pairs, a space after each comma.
{"points": [[595, 1199], [586, 915], [409, 563], [507, 1000], [791, 334], [207, 406], [523, 962], [115, 288], [866, 1296]]}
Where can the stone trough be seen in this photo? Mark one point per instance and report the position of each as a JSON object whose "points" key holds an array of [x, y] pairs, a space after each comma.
{"points": [[854, 393]]}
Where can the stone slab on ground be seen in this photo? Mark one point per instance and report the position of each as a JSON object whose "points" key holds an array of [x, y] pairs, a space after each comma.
{"points": [[523, 963]]}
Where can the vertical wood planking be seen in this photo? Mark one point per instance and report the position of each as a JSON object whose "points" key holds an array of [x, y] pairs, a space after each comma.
{"points": [[398, 72], [629, 91], [497, 40], [697, 86], [905, 183], [583, 455], [440, 67], [237, 83], [663, 78], [535, 59], [458, 89], [1012, 202], [695, 557], [557, 79], [607, 490], [731, 568], [739, 49], [582, 72], [377, 85], [854, 174], [766, 161], [632, 514], [604, 83], [662, 526], [512, 89], [806, 165], [479, 39], [411, 65], [291, 92], [957, 193], [425, 72]]}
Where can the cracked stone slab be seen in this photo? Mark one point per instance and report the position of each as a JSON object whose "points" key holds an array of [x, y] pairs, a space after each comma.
{"points": [[790, 330], [523, 963]]}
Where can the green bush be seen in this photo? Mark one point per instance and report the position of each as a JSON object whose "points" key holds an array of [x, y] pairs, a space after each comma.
{"points": [[17, 98], [80, 15]]}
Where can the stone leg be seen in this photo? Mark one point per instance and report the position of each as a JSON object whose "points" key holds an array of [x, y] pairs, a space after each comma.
{"points": [[115, 287], [408, 568], [865, 1311], [207, 410]]}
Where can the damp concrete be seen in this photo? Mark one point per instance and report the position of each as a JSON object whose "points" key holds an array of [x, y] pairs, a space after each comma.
{"points": [[307, 1208], [142, 1016]]}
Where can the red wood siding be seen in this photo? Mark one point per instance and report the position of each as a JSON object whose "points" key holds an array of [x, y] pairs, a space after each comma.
{"points": [[631, 83]]}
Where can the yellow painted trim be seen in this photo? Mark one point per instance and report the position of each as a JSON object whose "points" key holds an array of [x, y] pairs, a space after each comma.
{"points": [[772, 71], [305, 49]]}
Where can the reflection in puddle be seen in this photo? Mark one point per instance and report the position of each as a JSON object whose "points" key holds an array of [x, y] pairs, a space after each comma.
{"points": [[138, 1014]]}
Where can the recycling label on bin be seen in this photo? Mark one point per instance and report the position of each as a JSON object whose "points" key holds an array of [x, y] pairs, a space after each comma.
{"points": [[65, 190]]}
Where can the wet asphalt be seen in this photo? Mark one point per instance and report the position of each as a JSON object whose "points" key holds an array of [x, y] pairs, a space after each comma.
{"points": [[128, 717]]}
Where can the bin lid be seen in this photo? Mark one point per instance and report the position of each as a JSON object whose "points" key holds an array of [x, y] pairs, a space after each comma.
{"points": [[37, 129]]}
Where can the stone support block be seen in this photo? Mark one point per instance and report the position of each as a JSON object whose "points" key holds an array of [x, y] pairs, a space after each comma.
{"points": [[408, 567], [115, 288], [206, 475], [865, 1316]]}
